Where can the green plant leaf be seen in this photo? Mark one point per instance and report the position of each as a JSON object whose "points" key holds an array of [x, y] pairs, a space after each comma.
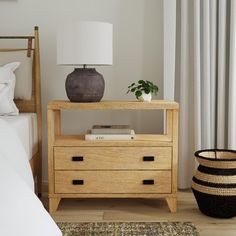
{"points": [[138, 93], [143, 86], [141, 82], [131, 85]]}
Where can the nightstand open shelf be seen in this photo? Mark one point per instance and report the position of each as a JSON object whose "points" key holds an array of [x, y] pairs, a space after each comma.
{"points": [[145, 167], [140, 140]]}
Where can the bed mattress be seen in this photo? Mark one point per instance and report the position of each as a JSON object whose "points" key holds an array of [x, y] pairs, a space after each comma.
{"points": [[25, 126]]}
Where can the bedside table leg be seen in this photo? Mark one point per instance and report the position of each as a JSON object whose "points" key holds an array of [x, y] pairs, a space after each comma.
{"points": [[172, 204], [53, 204]]}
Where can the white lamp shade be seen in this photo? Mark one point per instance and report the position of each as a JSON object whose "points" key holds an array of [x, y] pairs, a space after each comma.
{"points": [[85, 43]]}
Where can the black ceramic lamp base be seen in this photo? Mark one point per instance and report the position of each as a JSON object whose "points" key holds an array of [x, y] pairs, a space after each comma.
{"points": [[85, 85]]}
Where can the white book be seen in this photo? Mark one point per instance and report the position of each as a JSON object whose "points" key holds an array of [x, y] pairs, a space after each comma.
{"points": [[98, 137]]}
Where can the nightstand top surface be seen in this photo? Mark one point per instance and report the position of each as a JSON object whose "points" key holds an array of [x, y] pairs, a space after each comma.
{"points": [[114, 105]]}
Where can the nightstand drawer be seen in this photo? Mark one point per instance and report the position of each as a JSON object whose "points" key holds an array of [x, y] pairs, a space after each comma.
{"points": [[94, 158], [113, 182]]}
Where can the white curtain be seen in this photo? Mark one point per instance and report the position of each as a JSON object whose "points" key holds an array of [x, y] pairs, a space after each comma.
{"points": [[205, 79]]}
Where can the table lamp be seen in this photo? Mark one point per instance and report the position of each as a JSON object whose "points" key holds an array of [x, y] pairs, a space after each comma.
{"points": [[88, 44]]}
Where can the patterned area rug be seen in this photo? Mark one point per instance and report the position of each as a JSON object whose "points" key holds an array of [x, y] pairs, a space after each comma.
{"points": [[129, 229]]}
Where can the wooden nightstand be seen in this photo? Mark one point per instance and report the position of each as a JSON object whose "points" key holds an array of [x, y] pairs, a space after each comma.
{"points": [[145, 167]]}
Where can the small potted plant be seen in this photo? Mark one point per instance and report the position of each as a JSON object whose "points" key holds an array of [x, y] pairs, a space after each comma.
{"points": [[143, 90]]}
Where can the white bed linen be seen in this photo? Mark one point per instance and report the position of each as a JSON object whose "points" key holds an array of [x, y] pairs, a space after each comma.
{"points": [[12, 149], [21, 212], [25, 125]]}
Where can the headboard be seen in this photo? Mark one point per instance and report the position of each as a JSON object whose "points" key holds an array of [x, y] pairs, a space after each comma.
{"points": [[34, 104]]}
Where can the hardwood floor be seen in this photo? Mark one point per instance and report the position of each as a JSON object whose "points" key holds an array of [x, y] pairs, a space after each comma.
{"points": [[89, 210]]}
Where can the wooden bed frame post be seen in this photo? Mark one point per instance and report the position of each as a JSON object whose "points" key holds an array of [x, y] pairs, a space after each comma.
{"points": [[38, 106]]}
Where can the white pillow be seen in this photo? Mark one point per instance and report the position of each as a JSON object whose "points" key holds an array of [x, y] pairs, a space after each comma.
{"points": [[7, 86], [23, 89]]}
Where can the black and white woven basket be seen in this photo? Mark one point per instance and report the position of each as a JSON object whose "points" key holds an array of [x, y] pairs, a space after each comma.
{"points": [[214, 184]]}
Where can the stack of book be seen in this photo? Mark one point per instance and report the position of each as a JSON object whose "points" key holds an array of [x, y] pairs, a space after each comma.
{"points": [[110, 132]]}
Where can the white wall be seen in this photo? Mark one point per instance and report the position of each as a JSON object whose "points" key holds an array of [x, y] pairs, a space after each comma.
{"points": [[138, 53], [169, 27]]}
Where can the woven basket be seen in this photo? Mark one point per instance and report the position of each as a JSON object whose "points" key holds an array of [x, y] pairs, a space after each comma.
{"points": [[214, 184]]}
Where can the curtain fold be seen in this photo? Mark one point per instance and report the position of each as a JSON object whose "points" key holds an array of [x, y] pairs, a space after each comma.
{"points": [[206, 50], [221, 79], [213, 67], [232, 79], [197, 76]]}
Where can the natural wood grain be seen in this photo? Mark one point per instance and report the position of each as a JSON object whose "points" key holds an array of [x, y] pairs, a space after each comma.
{"points": [[172, 204], [57, 122], [26, 105], [34, 164], [175, 152], [51, 137], [122, 158], [114, 105], [140, 140], [142, 210], [169, 124], [18, 37], [104, 172], [13, 49], [53, 204], [111, 195], [38, 102], [112, 181]]}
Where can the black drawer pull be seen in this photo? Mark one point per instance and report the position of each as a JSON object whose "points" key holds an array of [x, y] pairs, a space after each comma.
{"points": [[77, 158], [148, 158], [77, 182], [148, 182]]}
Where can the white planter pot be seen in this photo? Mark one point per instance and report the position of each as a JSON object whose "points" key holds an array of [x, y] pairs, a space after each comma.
{"points": [[145, 97]]}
